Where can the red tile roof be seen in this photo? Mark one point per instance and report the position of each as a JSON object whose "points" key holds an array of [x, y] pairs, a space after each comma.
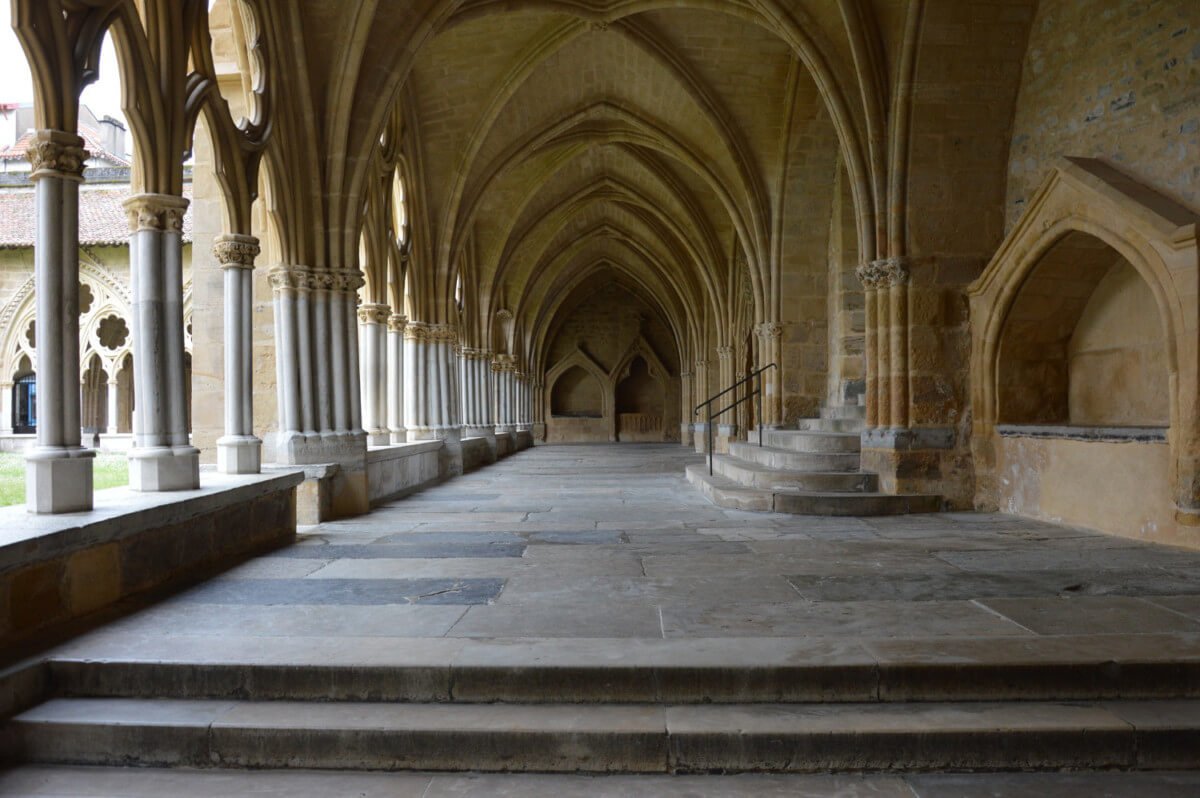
{"points": [[93, 143], [102, 220]]}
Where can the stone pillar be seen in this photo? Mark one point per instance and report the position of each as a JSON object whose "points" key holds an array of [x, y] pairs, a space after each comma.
{"points": [[687, 425], [503, 368], [239, 451], [373, 349], [317, 369], [870, 275], [112, 395], [770, 350], [537, 403], [700, 394], [521, 400], [6, 408], [727, 427], [395, 378], [430, 388], [162, 457], [896, 275], [58, 470]]}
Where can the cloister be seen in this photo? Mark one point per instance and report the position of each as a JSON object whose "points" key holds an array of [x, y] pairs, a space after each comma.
{"points": [[891, 282]]}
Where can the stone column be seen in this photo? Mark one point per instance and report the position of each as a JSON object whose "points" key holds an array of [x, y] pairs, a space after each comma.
{"points": [[896, 275], [6, 408], [113, 396], [395, 378], [239, 451], [537, 401], [700, 394], [770, 350], [869, 274], [503, 367], [58, 470], [432, 410], [373, 348], [520, 403], [727, 424], [687, 424], [162, 458]]}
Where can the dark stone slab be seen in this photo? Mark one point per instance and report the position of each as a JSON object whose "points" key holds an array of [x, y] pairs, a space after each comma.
{"points": [[452, 538], [354, 592], [591, 536], [375, 551], [942, 586]]}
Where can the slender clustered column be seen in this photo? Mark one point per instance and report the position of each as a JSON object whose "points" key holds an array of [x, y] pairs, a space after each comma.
{"points": [[870, 276], [58, 473], [317, 350], [503, 370], [770, 337], [395, 378], [112, 397], [521, 394], [896, 276], [162, 457], [238, 451], [686, 406], [485, 417], [373, 349]]}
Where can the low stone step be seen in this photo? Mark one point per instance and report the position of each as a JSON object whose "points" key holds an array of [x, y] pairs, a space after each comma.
{"points": [[724, 492], [814, 442], [791, 460], [754, 475], [845, 411], [633, 670], [619, 738]]}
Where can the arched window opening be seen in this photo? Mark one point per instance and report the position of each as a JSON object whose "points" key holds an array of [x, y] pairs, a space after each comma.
{"points": [[95, 397], [576, 394], [400, 211], [24, 401], [1084, 344]]}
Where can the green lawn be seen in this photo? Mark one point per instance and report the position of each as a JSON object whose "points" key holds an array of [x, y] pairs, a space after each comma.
{"points": [[110, 470]]}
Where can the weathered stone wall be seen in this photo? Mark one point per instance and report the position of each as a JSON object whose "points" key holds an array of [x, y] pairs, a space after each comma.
{"points": [[1112, 80], [846, 309], [1118, 356]]}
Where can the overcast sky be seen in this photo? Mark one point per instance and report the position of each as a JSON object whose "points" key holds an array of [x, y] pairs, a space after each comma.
{"points": [[103, 96]]}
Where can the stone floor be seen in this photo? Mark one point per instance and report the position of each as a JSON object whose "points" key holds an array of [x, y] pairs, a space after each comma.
{"points": [[605, 546]]}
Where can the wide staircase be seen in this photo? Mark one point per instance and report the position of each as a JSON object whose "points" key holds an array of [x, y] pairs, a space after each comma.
{"points": [[814, 469], [630, 706]]}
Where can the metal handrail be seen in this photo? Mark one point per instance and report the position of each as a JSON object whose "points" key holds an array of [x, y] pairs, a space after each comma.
{"points": [[711, 415]]}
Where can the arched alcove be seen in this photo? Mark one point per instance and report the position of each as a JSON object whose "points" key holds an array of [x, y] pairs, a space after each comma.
{"points": [[577, 394], [641, 402], [95, 397], [1083, 359], [1084, 343]]}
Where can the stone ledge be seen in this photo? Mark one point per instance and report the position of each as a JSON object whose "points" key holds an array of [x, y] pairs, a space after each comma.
{"points": [[398, 451], [1080, 433], [911, 439]]}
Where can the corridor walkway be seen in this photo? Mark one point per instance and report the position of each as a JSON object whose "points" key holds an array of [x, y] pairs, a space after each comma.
{"points": [[581, 554]]}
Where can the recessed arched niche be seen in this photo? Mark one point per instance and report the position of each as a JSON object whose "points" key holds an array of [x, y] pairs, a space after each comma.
{"points": [[1083, 352], [641, 401], [577, 394]]}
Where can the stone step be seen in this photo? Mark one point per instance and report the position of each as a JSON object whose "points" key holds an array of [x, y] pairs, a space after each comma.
{"points": [[845, 411], [60, 780], [831, 424], [633, 738], [724, 492], [791, 460], [754, 475], [814, 442], [629, 670]]}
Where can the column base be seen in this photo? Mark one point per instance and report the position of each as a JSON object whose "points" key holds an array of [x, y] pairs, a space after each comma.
{"points": [[59, 480], [239, 455], [398, 435], [687, 434], [165, 468], [450, 459], [379, 437], [477, 431]]}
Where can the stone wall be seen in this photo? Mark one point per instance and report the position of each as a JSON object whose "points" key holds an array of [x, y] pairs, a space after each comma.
{"points": [[1112, 80]]}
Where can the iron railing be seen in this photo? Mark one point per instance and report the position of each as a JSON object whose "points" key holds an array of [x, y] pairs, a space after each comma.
{"points": [[758, 391]]}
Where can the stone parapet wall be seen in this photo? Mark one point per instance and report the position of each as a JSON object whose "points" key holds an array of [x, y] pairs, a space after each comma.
{"points": [[53, 570]]}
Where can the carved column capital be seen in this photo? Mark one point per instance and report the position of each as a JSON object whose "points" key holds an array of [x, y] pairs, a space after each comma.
{"points": [[344, 281], [397, 322], [158, 212], [236, 251], [416, 331], [443, 333], [374, 314], [685, 374], [504, 363], [56, 153], [869, 275], [769, 330], [893, 271]]}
